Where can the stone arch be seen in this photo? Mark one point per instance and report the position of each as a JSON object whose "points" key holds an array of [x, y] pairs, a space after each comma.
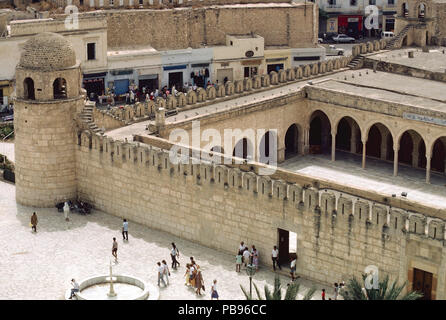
{"points": [[247, 84], [412, 149], [86, 139], [282, 76], [181, 100], [274, 77], [191, 97], [307, 70], [438, 152], [150, 107], [160, 102], [139, 110], [320, 132], [376, 45], [211, 93], [369, 46], [336, 64], [229, 88], [363, 47], [382, 44], [257, 82], [299, 73], [356, 50], [265, 81], [348, 134], [129, 113], [322, 67], [28, 89], [171, 102], [244, 149], [201, 95], [290, 74], [268, 148], [379, 142], [59, 88], [329, 65], [314, 69], [421, 10], [220, 90], [292, 141], [238, 84]]}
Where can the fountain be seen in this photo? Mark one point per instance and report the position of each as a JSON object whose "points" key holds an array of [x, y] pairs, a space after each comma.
{"points": [[103, 287]]}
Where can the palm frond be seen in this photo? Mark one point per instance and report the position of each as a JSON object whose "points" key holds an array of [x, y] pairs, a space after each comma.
{"points": [[291, 291], [257, 291], [277, 294], [247, 295], [310, 293], [268, 295]]}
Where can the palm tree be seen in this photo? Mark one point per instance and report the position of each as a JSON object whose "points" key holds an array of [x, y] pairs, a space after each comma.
{"points": [[290, 294], [354, 291]]}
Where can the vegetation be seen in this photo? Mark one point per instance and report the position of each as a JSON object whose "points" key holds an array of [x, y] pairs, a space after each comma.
{"points": [[4, 131], [5, 163], [354, 290], [290, 294]]}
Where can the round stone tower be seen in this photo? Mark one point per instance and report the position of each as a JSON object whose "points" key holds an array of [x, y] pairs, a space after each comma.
{"points": [[48, 99]]}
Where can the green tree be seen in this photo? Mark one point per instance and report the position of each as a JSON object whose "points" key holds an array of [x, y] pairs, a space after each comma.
{"points": [[290, 293], [354, 290]]}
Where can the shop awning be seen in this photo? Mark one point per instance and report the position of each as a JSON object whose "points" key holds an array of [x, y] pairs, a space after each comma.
{"points": [[95, 75]]}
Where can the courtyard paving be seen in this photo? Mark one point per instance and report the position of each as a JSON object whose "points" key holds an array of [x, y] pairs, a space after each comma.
{"points": [[378, 176], [40, 265]]}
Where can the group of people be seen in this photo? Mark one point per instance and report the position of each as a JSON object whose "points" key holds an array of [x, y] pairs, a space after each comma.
{"points": [[338, 288], [245, 256]]}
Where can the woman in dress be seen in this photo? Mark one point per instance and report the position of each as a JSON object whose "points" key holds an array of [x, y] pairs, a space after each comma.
{"points": [[198, 281], [187, 274], [255, 258]]}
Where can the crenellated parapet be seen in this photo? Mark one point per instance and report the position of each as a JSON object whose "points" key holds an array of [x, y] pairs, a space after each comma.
{"points": [[330, 208]]}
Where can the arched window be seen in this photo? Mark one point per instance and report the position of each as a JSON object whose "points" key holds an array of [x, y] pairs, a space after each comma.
{"points": [[421, 10], [28, 89], [405, 10], [60, 88]]}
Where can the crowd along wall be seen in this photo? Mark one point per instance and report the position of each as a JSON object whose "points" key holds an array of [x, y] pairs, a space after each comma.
{"points": [[338, 235]]}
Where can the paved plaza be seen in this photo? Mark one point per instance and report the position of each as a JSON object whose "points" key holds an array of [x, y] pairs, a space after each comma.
{"points": [[40, 265], [378, 176]]}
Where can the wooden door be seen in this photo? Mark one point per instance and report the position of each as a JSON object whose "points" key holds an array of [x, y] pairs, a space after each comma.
{"points": [[422, 282], [284, 246]]}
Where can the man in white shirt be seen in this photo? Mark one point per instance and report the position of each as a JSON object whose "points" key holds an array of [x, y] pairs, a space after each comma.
{"points": [[161, 274], [125, 230], [246, 256], [242, 247], [75, 288], [275, 258], [166, 271], [293, 267]]}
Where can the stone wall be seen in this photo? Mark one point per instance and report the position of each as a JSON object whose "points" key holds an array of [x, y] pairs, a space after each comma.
{"points": [[338, 235], [285, 25]]}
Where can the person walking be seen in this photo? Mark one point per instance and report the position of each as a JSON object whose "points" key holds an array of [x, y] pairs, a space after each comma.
{"points": [[125, 230], [161, 274], [66, 210], [34, 221], [336, 291], [238, 261], [192, 274], [75, 288], [323, 294], [255, 257], [246, 257], [275, 258], [199, 283], [293, 268], [115, 249], [166, 272], [214, 293], [186, 274], [174, 254]]}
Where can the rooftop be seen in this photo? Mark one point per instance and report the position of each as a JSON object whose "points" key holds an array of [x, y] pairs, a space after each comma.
{"points": [[434, 60]]}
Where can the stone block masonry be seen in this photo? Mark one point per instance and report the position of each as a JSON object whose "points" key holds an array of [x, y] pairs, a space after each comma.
{"points": [[337, 235], [280, 25]]}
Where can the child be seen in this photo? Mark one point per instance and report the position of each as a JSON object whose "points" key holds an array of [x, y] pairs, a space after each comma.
{"points": [[323, 294], [214, 293], [238, 261], [187, 274], [336, 291]]}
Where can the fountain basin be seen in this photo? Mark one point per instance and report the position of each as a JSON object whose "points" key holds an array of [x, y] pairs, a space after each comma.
{"points": [[131, 288]]}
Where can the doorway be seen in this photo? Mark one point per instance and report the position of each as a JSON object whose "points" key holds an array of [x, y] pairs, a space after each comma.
{"points": [[422, 282], [274, 67], [287, 246], [176, 79]]}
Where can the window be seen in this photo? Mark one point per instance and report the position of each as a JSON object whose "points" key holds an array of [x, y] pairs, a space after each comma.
{"points": [[372, 2], [91, 51], [60, 88], [391, 2], [28, 88], [353, 3], [332, 2], [111, 2], [141, 2]]}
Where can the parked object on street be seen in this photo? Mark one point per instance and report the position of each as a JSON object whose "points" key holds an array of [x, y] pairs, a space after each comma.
{"points": [[387, 35], [343, 38], [331, 50]]}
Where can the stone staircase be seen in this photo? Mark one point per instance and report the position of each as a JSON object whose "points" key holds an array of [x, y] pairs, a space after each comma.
{"points": [[394, 42], [356, 63], [86, 117]]}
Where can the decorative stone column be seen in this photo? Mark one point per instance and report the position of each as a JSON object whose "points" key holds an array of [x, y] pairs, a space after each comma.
{"points": [[333, 145], [384, 145], [306, 147], [364, 144], [428, 167], [395, 161], [353, 139], [416, 145]]}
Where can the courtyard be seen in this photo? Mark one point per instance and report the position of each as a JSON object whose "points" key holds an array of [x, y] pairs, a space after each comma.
{"points": [[40, 265]]}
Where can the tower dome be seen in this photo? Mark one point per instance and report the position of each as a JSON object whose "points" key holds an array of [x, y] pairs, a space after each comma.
{"points": [[47, 52]]}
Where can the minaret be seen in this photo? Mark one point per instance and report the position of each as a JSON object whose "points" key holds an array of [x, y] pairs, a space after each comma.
{"points": [[49, 97]]}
